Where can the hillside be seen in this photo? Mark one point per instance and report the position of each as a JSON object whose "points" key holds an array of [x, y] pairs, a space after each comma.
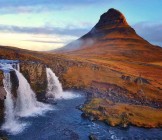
{"points": [[113, 38]]}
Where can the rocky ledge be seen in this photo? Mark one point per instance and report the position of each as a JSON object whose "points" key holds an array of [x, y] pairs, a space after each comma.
{"points": [[121, 114], [35, 73]]}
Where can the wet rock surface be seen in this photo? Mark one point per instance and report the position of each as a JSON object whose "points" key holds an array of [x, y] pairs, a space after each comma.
{"points": [[111, 18], [2, 97], [35, 73]]}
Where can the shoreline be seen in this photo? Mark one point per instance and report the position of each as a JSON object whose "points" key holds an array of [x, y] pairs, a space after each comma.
{"points": [[124, 115]]}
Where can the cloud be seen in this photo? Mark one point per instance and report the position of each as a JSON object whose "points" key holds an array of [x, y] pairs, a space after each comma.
{"points": [[150, 31], [41, 41], [34, 42], [69, 30]]}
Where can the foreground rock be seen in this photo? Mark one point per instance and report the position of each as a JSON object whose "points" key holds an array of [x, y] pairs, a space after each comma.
{"points": [[92, 137], [120, 114]]}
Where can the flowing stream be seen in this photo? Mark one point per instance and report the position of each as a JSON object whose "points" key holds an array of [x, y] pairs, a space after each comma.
{"points": [[65, 123]]}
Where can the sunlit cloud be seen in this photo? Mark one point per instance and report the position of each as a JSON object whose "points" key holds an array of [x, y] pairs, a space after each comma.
{"points": [[39, 38], [39, 42]]}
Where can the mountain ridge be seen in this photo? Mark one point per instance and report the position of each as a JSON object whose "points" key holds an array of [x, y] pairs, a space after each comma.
{"points": [[113, 34]]}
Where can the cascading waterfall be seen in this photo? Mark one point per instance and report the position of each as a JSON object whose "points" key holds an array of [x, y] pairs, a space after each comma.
{"points": [[54, 88], [9, 105], [24, 105], [26, 100], [11, 123], [27, 104]]}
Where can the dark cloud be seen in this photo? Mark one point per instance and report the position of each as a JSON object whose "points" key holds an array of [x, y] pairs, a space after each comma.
{"points": [[150, 31], [68, 30]]}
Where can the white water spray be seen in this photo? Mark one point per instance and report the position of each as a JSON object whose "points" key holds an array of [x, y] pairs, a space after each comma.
{"points": [[54, 88], [24, 105], [11, 123], [27, 104]]}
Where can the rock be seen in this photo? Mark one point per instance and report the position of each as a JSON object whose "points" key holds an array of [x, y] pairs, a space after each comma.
{"points": [[2, 97], [111, 18], [126, 78], [79, 107], [15, 83], [4, 138], [2, 93], [92, 137], [124, 120], [141, 81], [51, 101], [35, 73], [84, 115], [1, 78], [92, 118]]}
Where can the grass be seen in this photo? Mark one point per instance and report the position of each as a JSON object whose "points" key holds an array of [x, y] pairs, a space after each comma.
{"points": [[124, 114]]}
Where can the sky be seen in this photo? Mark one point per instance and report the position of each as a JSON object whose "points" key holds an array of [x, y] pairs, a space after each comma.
{"points": [[44, 25]]}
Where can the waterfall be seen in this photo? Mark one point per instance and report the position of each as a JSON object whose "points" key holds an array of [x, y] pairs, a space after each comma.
{"points": [[26, 100], [54, 88], [11, 123], [24, 105], [9, 105], [27, 104]]}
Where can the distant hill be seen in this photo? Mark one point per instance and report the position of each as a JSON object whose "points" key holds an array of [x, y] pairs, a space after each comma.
{"points": [[112, 37]]}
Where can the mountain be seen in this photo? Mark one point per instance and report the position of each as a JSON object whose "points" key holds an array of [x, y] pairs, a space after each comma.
{"points": [[112, 37]]}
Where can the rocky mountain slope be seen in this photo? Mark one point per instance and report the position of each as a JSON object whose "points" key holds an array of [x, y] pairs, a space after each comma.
{"points": [[113, 38]]}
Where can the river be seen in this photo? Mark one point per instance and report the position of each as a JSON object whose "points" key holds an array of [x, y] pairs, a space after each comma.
{"points": [[64, 122]]}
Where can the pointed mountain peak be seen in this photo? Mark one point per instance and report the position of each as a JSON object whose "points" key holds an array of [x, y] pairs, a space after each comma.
{"points": [[112, 18]]}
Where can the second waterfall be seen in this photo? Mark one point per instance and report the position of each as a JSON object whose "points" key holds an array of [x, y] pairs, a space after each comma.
{"points": [[54, 88]]}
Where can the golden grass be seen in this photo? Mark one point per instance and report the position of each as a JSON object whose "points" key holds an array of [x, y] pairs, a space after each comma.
{"points": [[84, 77], [118, 113]]}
